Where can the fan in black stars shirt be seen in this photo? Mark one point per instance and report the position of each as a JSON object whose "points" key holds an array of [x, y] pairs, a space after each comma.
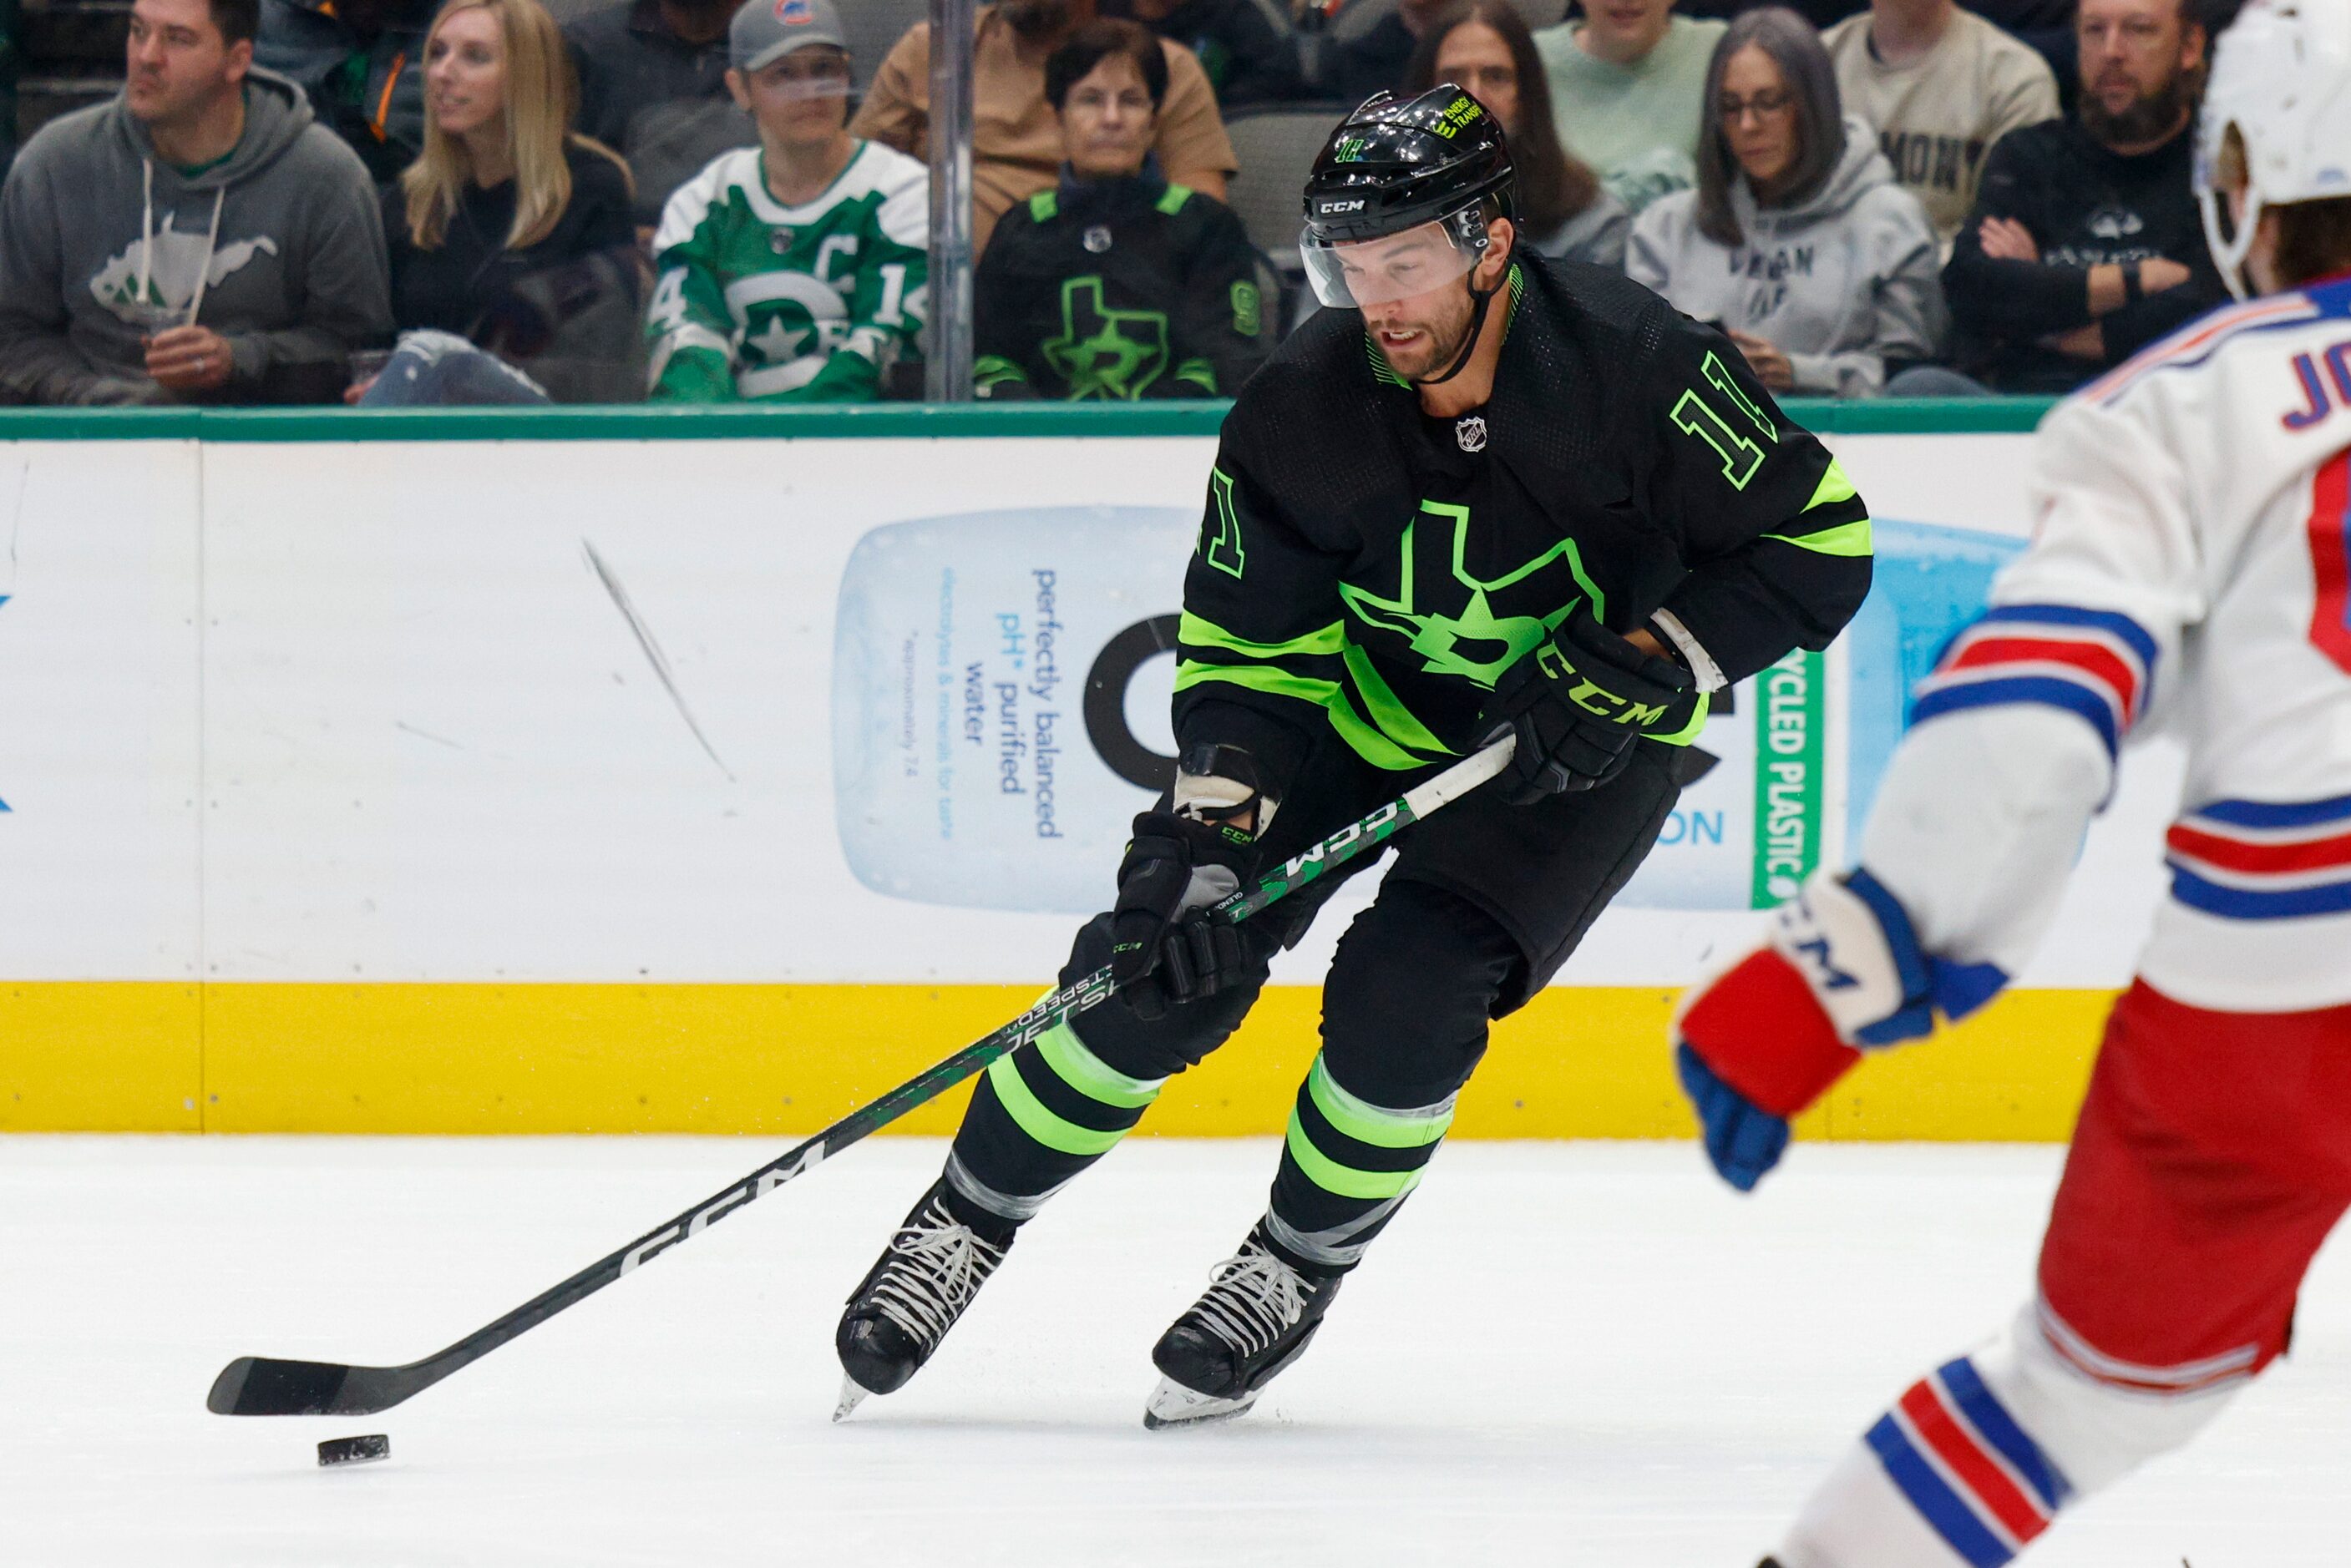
{"points": [[1114, 284]]}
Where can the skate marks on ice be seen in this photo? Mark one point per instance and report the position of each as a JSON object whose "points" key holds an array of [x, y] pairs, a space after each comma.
{"points": [[1581, 1354]]}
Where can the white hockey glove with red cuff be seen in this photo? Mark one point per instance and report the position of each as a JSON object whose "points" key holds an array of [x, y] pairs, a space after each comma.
{"points": [[1842, 972]]}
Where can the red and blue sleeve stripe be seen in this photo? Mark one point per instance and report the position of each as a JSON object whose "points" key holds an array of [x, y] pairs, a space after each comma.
{"points": [[2264, 861], [2201, 339], [1962, 1462], [2098, 665]]}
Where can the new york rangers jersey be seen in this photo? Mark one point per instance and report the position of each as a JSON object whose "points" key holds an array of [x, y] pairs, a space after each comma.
{"points": [[2187, 575]]}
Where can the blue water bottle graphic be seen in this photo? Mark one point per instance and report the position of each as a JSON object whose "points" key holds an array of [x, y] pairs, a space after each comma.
{"points": [[999, 690]]}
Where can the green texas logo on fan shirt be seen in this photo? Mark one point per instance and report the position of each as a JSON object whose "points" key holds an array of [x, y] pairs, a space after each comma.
{"points": [[1459, 623], [1104, 352]]}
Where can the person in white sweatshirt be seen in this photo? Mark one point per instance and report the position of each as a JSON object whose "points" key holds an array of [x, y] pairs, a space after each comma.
{"points": [[1797, 241]]}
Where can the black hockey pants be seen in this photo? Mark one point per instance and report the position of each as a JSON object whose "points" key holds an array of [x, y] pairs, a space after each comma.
{"points": [[1485, 902]]}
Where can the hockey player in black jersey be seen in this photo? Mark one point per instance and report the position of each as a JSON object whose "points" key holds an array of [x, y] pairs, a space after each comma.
{"points": [[1500, 493]]}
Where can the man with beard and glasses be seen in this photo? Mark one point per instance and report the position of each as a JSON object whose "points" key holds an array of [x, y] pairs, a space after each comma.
{"points": [[2085, 244], [1015, 136]]}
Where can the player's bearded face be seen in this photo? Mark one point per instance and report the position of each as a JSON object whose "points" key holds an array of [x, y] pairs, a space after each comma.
{"points": [[1420, 332]]}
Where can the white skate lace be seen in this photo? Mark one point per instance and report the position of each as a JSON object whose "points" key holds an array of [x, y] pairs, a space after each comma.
{"points": [[935, 1267], [1252, 1297]]}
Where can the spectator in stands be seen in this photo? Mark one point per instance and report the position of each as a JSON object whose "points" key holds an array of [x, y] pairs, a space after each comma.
{"points": [[2086, 243], [1942, 84], [1015, 136], [198, 238], [1116, 284], [653, 87], [1485, 46], [2046, 24], [1245, 46], [515, 275], [362, 64], [1626, 83], [1796, 242], [1378, 59], [793, 271]]}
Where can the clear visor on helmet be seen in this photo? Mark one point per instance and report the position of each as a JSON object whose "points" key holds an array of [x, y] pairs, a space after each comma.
{"points": [[1392, 266]]}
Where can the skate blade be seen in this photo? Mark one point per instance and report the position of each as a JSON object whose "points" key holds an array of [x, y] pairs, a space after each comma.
{"points": [[1173, 1405], [852, 1395]]}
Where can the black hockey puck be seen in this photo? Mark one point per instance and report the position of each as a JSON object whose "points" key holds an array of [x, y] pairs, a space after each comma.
{"points": [[354, 1450]]}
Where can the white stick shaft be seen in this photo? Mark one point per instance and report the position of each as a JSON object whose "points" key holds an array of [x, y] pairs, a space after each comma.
{"points": [[1461, 778]]}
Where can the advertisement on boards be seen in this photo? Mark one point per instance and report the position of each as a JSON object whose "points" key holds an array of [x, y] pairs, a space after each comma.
{"points": [[1001, 682], [836, 711]]}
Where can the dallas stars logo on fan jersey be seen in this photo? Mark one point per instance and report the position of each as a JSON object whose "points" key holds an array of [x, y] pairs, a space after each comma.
{"points": [[1102, 352], [757, 299]]}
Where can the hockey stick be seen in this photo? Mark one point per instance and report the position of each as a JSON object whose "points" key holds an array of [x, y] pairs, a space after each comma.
{"points": [[259, 1385]]}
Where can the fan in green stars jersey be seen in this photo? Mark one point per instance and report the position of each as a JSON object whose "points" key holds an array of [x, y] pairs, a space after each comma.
{"points": [[795, 270]]}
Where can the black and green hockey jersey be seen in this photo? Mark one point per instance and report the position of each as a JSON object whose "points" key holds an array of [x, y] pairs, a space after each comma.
{"points": [[1116, 290], [1365, 569], [756, 300]]}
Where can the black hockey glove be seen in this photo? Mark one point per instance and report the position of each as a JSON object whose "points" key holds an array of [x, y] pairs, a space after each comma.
{"points": [[1578, 704], [1165, 947]]}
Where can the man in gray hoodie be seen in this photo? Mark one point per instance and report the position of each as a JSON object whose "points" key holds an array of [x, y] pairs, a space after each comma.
{"points": [[194, 239]]}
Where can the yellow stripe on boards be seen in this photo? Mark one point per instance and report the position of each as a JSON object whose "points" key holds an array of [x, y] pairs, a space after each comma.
{"points": [[777, 1059], [101, 1056]]}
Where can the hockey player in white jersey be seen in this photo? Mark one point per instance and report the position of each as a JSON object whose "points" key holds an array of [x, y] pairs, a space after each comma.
{"points": [[2188, 572]]}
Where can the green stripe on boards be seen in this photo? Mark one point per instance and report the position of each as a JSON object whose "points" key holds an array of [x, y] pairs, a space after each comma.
{"points": [[1055, 1132], [1371, 1124], [1089, 1074], [1344, 1181]]}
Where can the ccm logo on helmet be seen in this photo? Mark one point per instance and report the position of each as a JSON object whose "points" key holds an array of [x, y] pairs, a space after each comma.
{"points": [[1331, 209]]}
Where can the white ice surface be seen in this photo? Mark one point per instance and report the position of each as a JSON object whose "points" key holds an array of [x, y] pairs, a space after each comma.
{"points": [[1585, 1354]]}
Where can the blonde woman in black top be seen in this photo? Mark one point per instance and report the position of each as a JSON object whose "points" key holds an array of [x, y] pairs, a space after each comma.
{"points": [[515, 272]]}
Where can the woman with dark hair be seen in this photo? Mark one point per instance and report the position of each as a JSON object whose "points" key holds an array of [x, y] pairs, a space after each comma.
{"points": [[1485, 46], [1117, 284], [1796, 241]]}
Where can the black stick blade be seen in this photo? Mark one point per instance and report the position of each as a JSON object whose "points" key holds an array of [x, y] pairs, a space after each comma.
{"points": [[256, 1386]]}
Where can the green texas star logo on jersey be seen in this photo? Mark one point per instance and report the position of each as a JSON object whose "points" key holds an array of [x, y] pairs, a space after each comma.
{"points": [[1105, 353], [1459, 623]]}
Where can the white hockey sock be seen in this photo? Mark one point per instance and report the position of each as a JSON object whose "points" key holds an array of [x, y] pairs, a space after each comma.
{"points": [[1974, 1461]]}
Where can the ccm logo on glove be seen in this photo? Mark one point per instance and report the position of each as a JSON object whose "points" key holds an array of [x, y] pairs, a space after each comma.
{"points": [[1594, 698], [1579, 702]]}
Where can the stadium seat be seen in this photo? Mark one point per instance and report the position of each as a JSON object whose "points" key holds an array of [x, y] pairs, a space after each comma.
{"points": [[1275, 148]]}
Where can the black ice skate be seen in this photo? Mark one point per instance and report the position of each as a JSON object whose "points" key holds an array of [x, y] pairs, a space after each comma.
{"points": [[1256, 1316], [918, 1288]]}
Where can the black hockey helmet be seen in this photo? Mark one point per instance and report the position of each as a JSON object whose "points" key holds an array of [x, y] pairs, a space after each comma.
{"points": [[1394, 164]]}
